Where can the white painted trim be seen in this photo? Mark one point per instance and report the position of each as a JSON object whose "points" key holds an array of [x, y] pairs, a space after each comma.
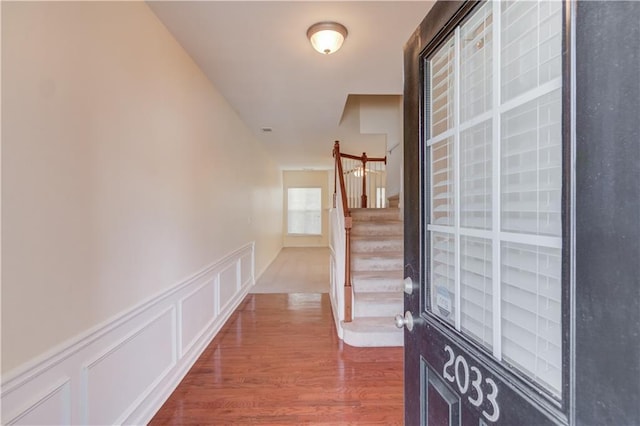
{"points": [[164, 389], [531, 239], [441, 228], [253, 263], [512, 237], [496, 201], [65, 367], [239, 274], [234, 268], [440, 137], [182, 349], [532, 95], [571, 12], [474, 121], [112, 348], [35, 403], [476, 233], [59, 353], [336, 265], [335, 304], [457, 321]]}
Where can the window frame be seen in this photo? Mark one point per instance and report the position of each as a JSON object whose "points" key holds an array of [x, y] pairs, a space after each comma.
{"points": [[319, 211]]}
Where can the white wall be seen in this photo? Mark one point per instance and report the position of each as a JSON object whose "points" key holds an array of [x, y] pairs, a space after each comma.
{"points": [[308, 179], [383, 114], [124, 171], [352, 136]]}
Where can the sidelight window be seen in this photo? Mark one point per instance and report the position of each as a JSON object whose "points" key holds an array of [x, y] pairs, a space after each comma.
{"points": [[494, 179]]}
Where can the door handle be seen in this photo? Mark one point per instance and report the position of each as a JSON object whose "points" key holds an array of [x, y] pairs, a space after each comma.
{"points": [[405, 321]]}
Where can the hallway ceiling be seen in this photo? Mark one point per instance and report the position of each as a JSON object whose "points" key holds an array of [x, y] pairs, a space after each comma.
{"points": [[257, 54]]}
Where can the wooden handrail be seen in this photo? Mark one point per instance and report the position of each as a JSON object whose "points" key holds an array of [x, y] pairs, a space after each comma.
{"points": [[348, 294], [343, 187], [355, 157]]}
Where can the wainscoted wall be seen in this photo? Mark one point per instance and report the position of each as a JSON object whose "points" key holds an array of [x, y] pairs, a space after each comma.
{"points": [[121, 371], [123, 171]]}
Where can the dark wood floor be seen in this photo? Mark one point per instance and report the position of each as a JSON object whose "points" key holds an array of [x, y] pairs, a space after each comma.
{"points": [[278, 361]]}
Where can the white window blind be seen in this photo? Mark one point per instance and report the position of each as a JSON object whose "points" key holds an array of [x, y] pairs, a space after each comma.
{"points": [[476, 39], [304, 211], [531, 45], [476, 176], [442, 208], [443, 275], [531, 332], [442, 72], [495, 180], [476, 290], [532, 166]]}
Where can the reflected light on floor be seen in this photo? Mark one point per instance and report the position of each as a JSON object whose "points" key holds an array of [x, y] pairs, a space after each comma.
{"points": [[301, 301]]}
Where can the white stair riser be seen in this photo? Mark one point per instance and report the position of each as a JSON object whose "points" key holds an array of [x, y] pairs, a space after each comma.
{"points": [[382, 229], [385, 244], [375, 214], [379, 339], [394, 263], [387, 213], [377, 286], [380, 308]]}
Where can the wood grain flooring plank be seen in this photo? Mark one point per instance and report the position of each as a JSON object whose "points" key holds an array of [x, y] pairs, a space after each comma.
{"points": [[278, 361]]}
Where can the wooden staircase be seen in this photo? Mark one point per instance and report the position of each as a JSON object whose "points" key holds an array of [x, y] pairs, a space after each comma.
{"points": [[377, 262]]}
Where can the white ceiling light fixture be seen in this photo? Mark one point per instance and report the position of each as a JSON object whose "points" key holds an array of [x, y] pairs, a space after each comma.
{"points": [[327, 37]]}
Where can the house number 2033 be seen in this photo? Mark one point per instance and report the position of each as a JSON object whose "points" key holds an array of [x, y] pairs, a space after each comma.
{"points": [[471, 383]]}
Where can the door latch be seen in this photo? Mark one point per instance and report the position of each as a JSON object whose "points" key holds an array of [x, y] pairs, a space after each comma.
{"points": [[408, 285]]}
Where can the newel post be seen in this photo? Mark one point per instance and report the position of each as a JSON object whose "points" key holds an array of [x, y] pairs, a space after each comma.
{"points": [[348, 293], [336, 156], [363, 198]]}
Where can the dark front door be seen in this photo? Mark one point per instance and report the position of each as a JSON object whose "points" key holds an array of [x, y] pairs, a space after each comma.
{"points": [[485, 215], [522, 214]]}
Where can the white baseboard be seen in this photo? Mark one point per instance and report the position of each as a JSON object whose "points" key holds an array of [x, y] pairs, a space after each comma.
{"points": [[122, 371]]}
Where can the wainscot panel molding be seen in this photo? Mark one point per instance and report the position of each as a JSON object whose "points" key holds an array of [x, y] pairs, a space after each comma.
{"points": [[122, 371]]}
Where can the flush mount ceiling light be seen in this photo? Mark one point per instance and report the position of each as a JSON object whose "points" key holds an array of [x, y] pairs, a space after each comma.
{"points": [[327, 37]]}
